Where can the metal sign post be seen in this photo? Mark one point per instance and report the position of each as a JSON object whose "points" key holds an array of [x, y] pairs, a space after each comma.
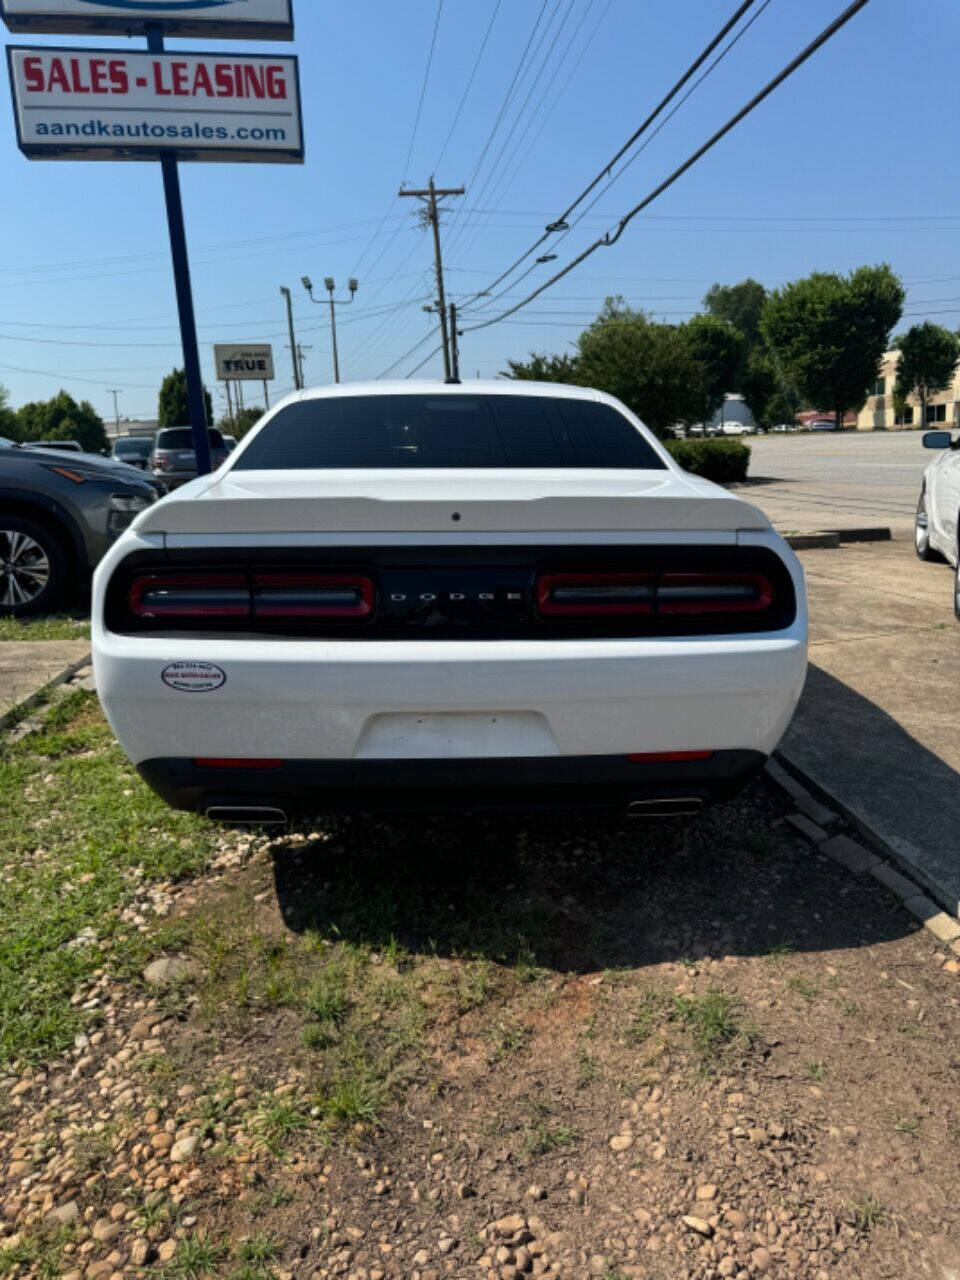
{"points": [[181, 279]]}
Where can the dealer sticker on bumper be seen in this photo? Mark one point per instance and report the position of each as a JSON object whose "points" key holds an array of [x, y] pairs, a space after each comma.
{"points": [[193, 677]]}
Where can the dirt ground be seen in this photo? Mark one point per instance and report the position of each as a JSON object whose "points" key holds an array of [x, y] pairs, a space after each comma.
{"points": [[568, 1047]]}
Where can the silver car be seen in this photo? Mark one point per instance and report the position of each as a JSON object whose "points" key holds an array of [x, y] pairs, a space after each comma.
{"points": [[173, 461]]}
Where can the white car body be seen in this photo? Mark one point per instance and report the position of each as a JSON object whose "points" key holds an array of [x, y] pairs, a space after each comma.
{"points": [[329, 720], [938, 511]]}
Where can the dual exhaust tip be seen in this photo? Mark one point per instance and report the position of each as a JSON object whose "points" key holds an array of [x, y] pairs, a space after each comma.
{"points": [[268, 816]]}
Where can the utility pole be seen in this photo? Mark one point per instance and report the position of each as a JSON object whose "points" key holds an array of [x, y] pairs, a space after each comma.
{"points": [[116, 408], [430, 196], [297, 369], [454, 343], [300, 350], [329, 285]]}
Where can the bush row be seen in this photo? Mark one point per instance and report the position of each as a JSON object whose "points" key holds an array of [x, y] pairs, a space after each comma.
{"points": [[723, 461]]}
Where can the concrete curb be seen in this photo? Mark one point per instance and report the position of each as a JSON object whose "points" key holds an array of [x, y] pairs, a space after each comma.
{"points": [[36, 697], [837, 537], [857, 858]]}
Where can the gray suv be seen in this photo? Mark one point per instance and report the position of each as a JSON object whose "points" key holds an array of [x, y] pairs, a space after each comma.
{"points": [[174, 462], [58, 514]]}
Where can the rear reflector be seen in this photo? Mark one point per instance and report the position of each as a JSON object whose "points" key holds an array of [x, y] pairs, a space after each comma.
{"points": [[226, 762], [669, 757], [298, 595], [189, 596]]}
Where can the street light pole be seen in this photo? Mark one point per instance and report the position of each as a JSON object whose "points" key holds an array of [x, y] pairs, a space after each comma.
{"points": [[297, 376], [330, 286], [116, 409]]}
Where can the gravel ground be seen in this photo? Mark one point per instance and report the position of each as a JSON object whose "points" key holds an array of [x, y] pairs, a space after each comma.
{"points": [[568, 1047]]}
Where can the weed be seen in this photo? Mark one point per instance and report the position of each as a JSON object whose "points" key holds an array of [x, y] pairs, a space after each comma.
{"points": [[646, 1016], [507, 1037], [197, 1256], [713, 1020], [803, 987], [352, 1100], [316, 1035], [326, 998], [276, 1120], [259, 1248], [587, 1069], [817, 1070], [868, 1212], [910, 1127], [540, 1138], [36, 1253], [475, 986], [91, 1149]]}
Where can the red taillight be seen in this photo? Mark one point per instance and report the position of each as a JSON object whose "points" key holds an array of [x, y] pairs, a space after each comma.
{"points": [[229, 762], [669, 757], [163, 461], [589, 594], [311, 595], [713, 593], [592, 594], [161, 595]]}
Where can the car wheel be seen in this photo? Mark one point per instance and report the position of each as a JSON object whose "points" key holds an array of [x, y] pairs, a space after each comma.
{"points": [[922, 532], [33, 568]]}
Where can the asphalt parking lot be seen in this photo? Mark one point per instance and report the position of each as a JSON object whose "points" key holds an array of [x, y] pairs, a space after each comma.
{"points": [[821, 480]]}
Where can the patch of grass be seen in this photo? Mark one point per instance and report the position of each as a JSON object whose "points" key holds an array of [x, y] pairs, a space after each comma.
{"points": [[276, 1121], [647, 1016], [803, 987], [91, 1149], [910, 1127], [714, 1021], [197, 1256], [38, 1253], [326, 999], [258, 1248], [506, 1037], [587, 1069], [54, 627], [354, 1099], [541, 1138], [79, 833], [475, 986], [817, 1070], [868, 1212]]}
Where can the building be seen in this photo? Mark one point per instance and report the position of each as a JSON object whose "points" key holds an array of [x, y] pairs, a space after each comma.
{"points": [[131, 427], [733, 409], [879, 414]]}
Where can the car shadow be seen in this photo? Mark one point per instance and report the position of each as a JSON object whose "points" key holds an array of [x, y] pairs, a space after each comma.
{"points": [[580, 892]]}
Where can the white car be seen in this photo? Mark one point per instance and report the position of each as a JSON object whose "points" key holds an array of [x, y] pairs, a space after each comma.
{"points": [[938, 511], [419, 596]]}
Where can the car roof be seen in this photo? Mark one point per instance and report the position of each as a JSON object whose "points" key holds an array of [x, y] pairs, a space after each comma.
{"points": [[485, 387]]}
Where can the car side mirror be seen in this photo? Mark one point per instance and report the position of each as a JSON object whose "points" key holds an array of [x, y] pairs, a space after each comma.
{"points": [[937, 440]]}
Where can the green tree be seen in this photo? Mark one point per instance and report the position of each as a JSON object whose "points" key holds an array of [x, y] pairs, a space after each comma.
{"points": [[740, 305], [8, 419], [650, 367], [760, 385], [719, 351], [173, 409], [62, 418], [544, 368], [928, 360], [829, 332], [241, 422]]}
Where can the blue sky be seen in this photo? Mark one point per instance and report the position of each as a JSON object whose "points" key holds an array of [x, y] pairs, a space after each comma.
{"points": [[852, 161]]}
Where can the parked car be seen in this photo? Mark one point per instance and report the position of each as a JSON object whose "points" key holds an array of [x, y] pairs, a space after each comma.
{"points": [[938, 511], [782, 428], [392, 597], [734, 428], [58, 516], [173, 461], [135, 451], [230, 442], [821, 424], [62, 446]]}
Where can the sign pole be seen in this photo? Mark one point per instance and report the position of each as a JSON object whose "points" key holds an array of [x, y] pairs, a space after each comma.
{"points": [[181, 276]]}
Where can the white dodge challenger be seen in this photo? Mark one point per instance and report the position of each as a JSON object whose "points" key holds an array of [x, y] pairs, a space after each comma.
{"points": [[417, 596]]}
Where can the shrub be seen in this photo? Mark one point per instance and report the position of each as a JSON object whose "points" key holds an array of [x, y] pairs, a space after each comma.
{"points": [[722, 461]]}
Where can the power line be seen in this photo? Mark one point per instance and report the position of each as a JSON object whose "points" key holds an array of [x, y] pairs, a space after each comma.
{"points": [[469, 85], [611, 238], [558, 223]]}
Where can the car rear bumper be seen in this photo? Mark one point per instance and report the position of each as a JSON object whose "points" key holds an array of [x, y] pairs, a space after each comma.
{"points": [[295, 787]]}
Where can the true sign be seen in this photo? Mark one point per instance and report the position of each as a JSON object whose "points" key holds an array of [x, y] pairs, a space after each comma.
{"points": [[219, 19], [111, 104], [238, 363]]}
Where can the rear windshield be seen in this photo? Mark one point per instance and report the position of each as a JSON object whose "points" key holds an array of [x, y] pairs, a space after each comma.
{"points": [[182, 438], [132, 446], [447, 431]]}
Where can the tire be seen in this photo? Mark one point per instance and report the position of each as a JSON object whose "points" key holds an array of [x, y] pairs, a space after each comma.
{"points": [[33, 568], [921, 532]]}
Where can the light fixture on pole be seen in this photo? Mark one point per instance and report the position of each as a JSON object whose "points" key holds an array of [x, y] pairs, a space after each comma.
{"points": [[330, 286]]}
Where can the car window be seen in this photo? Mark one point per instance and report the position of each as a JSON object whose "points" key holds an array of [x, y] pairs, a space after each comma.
{"points": [[433, 431], [182, 438], [131, 446]]}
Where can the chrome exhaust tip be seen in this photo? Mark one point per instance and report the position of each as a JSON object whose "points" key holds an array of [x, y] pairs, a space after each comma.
{"points": [[671, 807], [247, 815]]}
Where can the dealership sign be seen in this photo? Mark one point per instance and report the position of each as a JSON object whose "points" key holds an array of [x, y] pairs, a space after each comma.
{"points": [[110, 104], [239, 363], [220, 19]]}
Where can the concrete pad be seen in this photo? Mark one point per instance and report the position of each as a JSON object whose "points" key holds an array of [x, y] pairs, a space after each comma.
{"points": [[819, 813], [892, 878], [807, 828], [877, 729], [27, 665]]}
